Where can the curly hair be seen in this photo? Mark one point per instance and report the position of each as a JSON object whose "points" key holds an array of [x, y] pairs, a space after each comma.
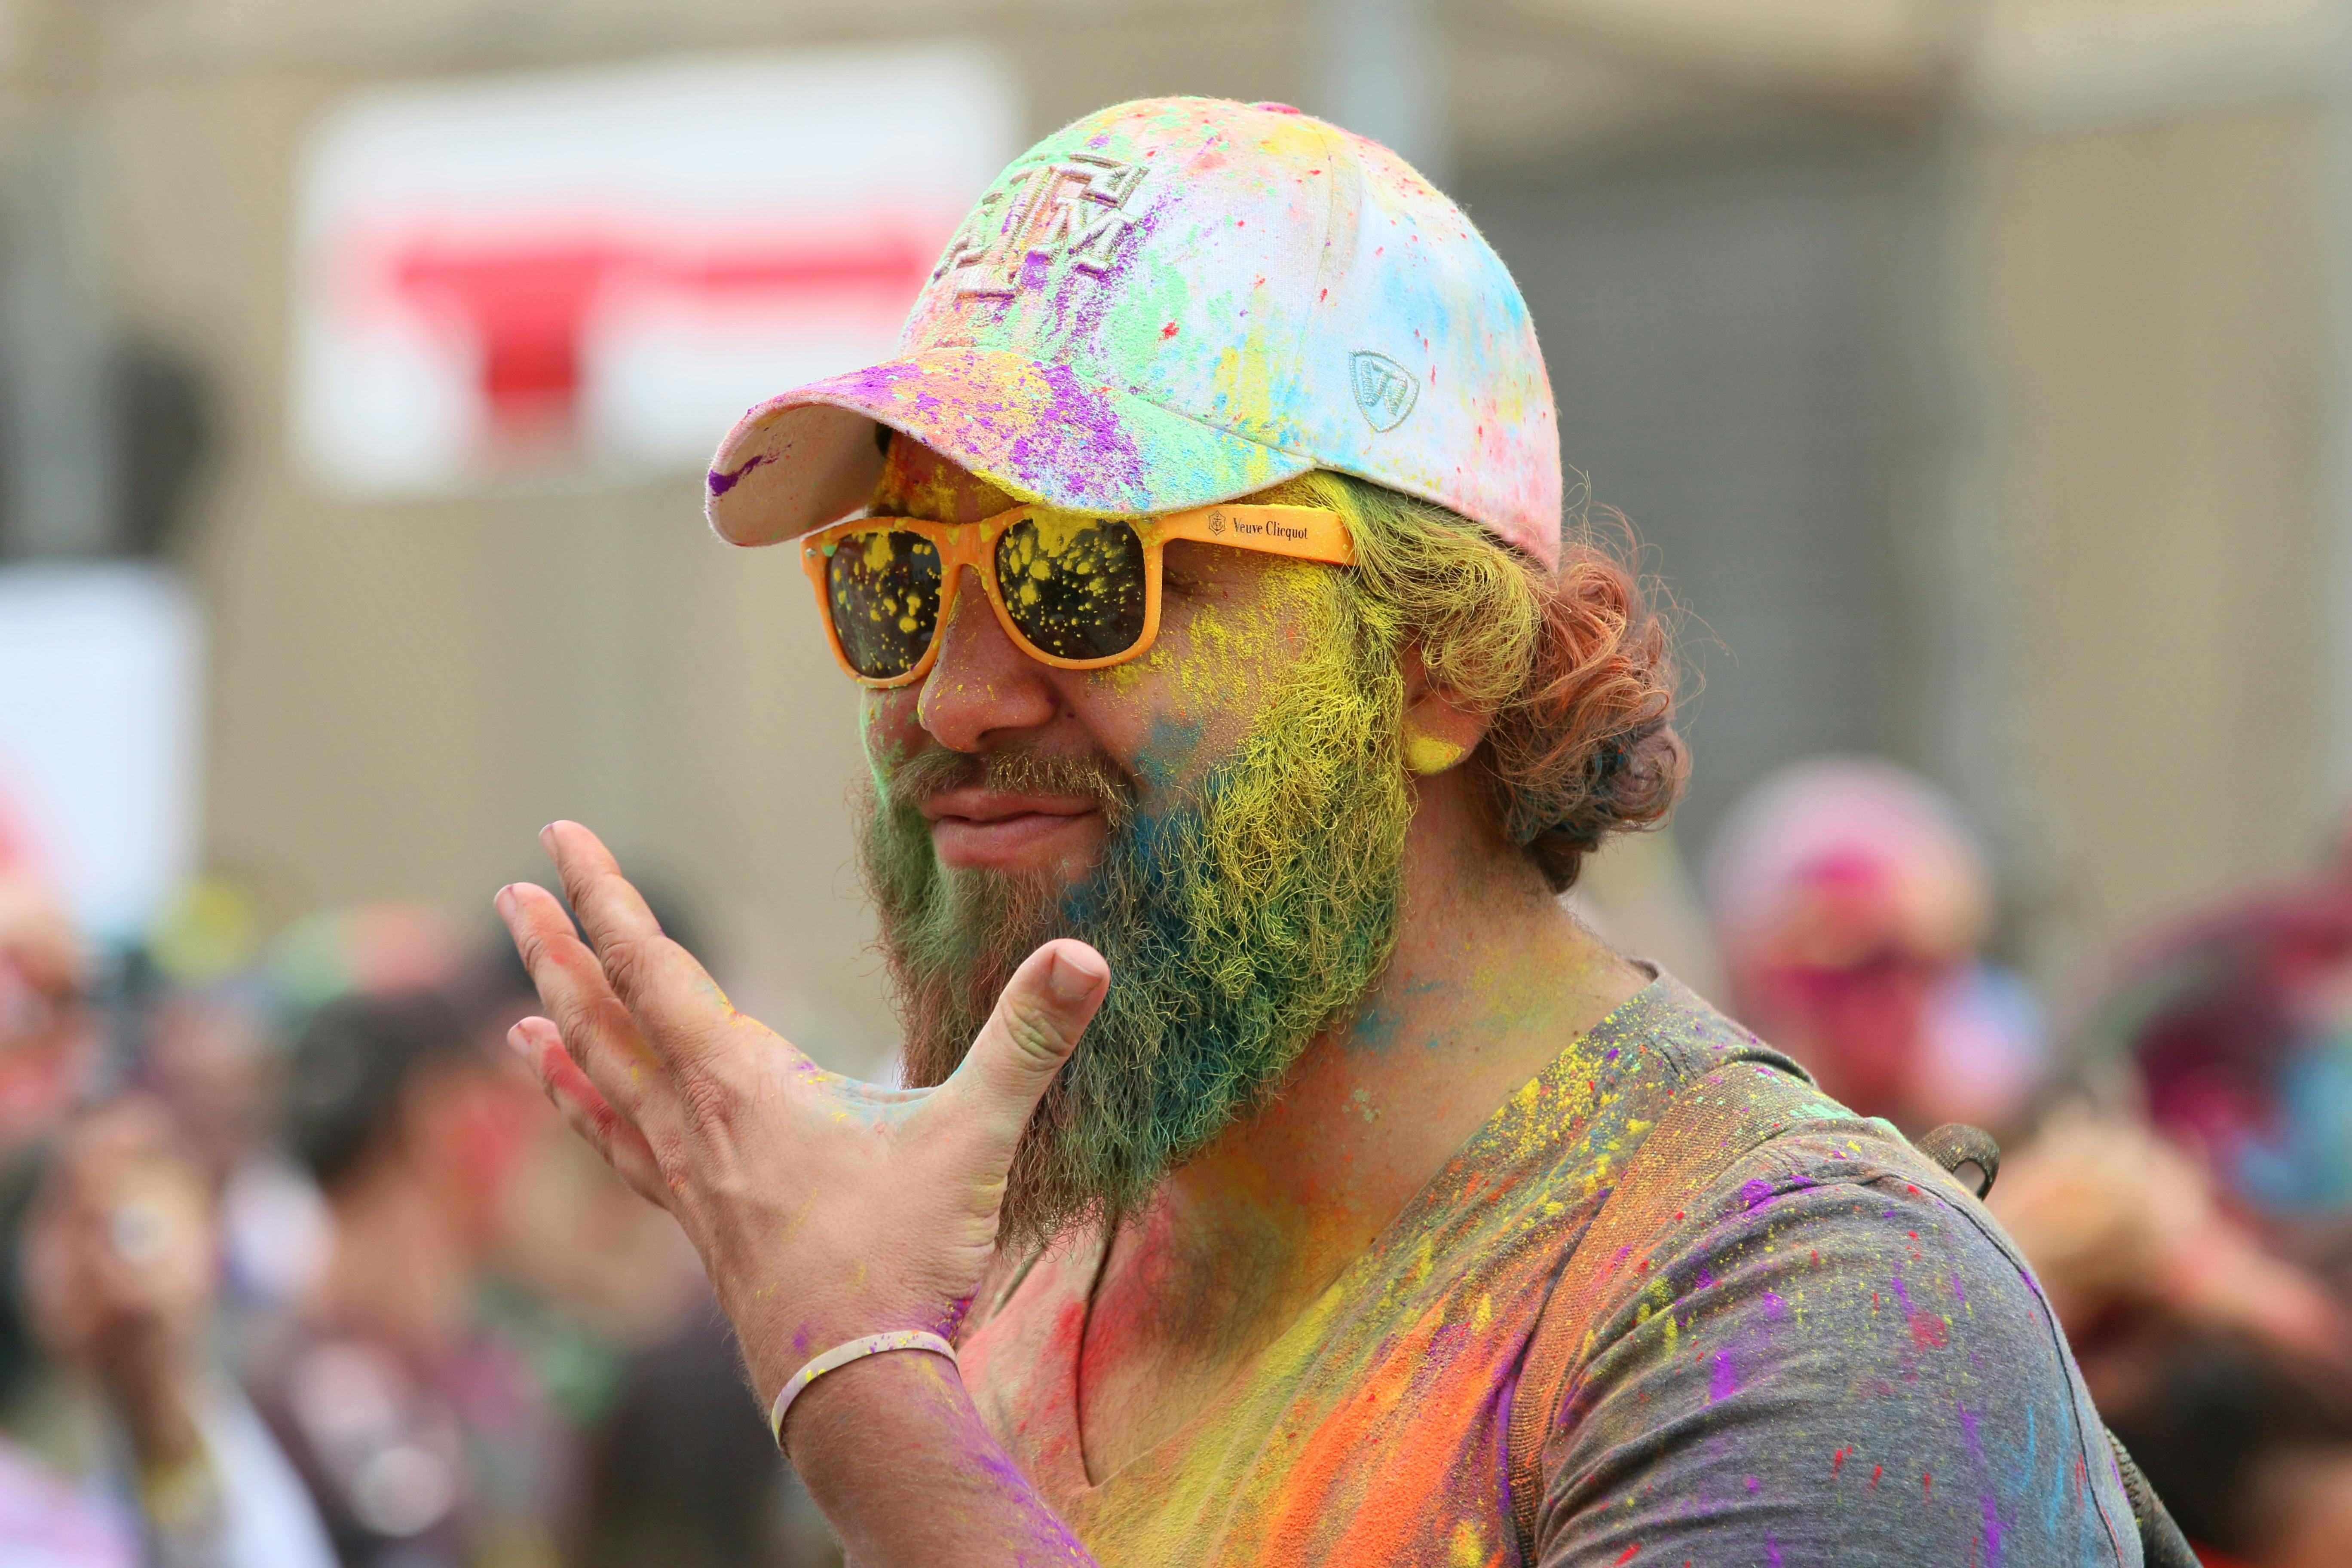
{"points": [[1576, 666]]}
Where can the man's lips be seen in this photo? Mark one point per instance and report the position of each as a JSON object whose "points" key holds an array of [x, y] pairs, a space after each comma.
{"points": [[985, 827]]}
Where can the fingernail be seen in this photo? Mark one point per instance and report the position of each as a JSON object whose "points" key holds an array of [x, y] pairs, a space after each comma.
{"points": [[518, 1042], [502, 898], [1074, 978]]}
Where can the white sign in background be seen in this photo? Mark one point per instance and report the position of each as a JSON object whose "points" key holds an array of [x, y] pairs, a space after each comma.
{"points": [[100, 689], [604, 269]]}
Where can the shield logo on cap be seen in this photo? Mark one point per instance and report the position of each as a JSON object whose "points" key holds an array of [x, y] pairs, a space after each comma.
{"points": [[1384, 391]]}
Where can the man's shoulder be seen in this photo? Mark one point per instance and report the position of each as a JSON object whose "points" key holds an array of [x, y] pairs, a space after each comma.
{"points": [[1523, 1195], [1666, 1039], [1668, 1128], [1728, 1125], [1827, 1311], [1679, 1033], [1826, 1305], [1579, 1123], [1692, 1128]]}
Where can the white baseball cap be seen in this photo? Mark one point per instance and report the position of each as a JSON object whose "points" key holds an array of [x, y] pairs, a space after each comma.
{"points": [[1177, 301]]}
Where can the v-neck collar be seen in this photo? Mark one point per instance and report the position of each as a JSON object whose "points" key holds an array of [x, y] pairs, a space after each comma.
{"points": [[1078, 1270]]}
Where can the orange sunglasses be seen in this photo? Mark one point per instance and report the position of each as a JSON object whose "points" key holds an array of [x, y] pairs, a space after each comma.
{"points": [[1071, 589]]}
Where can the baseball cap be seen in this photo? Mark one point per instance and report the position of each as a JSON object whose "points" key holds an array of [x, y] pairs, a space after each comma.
{"points": [[1179, 301]]}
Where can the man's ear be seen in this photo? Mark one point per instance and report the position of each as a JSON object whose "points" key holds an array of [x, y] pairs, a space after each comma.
{"points": [[1439, 731]]}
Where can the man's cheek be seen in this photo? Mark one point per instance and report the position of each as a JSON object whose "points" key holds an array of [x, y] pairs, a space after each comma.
{"points": [[1171, 756], [1187, 705], [890, 729]]}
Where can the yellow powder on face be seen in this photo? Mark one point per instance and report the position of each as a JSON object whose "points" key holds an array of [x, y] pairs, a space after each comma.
{"points": [[937, 494], [1211, 658]]}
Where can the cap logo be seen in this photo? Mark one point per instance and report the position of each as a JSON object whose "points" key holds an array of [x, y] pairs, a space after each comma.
{"points": [[1384, 391], [1073, 210]]}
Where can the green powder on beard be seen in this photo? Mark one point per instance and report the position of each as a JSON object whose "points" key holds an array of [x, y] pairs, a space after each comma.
{"points": [[1239, 919]]}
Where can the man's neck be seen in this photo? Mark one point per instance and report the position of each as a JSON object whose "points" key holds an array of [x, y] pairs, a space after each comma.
{"points": [[1491, 980]]}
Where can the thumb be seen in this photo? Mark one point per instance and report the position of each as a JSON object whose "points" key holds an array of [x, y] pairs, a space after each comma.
{"points": [[1044, 1009]]}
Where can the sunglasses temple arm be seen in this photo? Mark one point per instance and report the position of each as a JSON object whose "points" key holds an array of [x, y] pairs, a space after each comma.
{"points": [[1301, 532]]}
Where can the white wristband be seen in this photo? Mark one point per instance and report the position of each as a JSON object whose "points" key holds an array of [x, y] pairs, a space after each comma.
{"points": [[842, 1356]]}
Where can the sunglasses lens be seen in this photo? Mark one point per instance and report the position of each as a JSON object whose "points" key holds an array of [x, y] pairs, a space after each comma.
{"points": [[884, 589], [1075, 589]]}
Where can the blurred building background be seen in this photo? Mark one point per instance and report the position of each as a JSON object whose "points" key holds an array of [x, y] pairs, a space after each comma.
{"points": [[1971, 367]]}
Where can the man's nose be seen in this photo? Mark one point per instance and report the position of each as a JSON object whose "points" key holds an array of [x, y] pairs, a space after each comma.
{"points": [[982, 685]]}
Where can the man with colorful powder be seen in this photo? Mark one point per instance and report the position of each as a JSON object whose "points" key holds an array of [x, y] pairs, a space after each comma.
{"points": [[1288, 1179]]}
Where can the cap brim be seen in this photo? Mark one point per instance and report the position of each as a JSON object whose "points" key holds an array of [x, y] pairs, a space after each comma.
{"points": [[810, 456]]}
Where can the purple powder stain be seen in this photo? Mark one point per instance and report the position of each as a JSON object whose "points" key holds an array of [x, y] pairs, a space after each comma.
{"points": [[1901, 1293], [1772, 1551], [1775, 1308], [874, 381], [1992, 1533], [1100, 443], [1756, 1192], [723, 480], [1723, 1381], [1960, 1292]]}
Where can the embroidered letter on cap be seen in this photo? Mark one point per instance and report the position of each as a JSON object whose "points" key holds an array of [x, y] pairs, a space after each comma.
{"points": [[1070, 211], [1383, 391]]}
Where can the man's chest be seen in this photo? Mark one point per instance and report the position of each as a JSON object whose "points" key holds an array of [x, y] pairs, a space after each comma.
{"points": [[1371, 1429], [1170, 1327]]}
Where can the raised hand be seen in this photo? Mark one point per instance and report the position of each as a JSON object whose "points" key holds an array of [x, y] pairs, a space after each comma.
{"points": [[823, 1208]]}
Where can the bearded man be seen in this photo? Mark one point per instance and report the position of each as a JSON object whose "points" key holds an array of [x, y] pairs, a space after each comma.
{"points": [[1287, 1178]]}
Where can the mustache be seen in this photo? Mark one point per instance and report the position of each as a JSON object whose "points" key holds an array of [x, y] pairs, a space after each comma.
{"points": [[936, 770]]}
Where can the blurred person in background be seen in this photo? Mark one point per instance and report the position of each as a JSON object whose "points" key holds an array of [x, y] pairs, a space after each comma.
{"points": [[1852, 903], [2250, 1448], [2235, 1033], [210, 1045], [207, 1054], [214, 1056], [121, 1264], [682, 1472], [48, 1041], [425, 1436], [46, 1034], [152, 1450]]}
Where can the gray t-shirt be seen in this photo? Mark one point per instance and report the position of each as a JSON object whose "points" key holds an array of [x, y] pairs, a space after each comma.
{"points": [[1842, 1362], [1828, 1355]]}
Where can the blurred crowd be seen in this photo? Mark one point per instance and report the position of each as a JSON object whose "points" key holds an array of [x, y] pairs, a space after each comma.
{"points": [[302, 1269]]}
